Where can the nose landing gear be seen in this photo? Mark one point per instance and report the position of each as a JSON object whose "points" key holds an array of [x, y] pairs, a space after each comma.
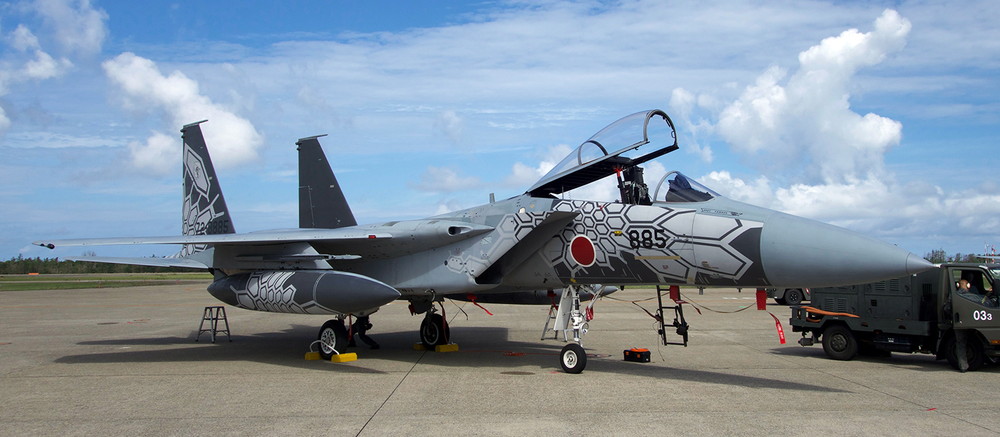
{"points": [[571, 321]]}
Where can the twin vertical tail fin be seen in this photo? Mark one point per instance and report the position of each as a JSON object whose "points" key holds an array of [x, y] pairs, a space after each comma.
{"points": [[204, 210], [321, 202]]}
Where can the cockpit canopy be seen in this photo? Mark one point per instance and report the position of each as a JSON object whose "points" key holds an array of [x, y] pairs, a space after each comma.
{"points": [[613, 149], [675, 187]]}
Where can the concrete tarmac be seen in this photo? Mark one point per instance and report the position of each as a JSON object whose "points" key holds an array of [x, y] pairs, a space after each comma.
{"points": [[125, 362]]}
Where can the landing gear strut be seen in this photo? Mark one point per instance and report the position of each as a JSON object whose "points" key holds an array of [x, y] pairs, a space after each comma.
{"points": [[571, 320]]}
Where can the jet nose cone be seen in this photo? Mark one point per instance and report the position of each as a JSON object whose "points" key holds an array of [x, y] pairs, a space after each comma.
{"points": [[805, 253]]}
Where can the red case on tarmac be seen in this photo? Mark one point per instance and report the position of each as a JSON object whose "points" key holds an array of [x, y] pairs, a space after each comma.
{"points": [[637, 355]]}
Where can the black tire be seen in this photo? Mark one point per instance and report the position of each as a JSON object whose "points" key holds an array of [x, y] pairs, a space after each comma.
{"points": [[780, 301], [948, 350], [434, 331], [573, 358], [333, 333], [793, 296], [839, 343], [974, 352]]}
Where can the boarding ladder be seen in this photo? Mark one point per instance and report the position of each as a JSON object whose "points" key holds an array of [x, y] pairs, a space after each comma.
{"points": [[679, 324]]}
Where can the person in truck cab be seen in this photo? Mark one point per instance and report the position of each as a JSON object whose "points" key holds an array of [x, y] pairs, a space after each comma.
{"points": [[968, 290]]}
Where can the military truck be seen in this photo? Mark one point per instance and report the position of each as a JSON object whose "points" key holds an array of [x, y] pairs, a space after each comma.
{"points": [[917, 313]]}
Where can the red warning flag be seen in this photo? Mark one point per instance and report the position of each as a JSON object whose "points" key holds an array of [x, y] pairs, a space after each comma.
{"points": [[777, 326]]}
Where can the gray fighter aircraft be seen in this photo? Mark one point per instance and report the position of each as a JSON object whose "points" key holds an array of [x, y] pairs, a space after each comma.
{"points": [[531, 248]]}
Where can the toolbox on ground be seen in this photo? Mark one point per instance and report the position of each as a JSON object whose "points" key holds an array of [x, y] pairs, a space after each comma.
{"points": [[637, 355]]}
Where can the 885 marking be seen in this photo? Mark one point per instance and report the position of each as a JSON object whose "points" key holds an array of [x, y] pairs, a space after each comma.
{"points": [[647, 238]]}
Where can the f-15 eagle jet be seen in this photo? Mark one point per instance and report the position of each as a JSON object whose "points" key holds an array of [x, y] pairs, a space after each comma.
{"points": [[528, 248]]}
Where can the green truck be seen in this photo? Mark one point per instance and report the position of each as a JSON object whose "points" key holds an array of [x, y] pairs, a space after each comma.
{"points": [[918, 313]]}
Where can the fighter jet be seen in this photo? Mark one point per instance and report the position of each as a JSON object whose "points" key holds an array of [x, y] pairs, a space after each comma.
{"points": [[537, 247]]}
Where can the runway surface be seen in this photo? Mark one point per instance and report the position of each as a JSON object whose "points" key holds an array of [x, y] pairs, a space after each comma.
{"points": [[124, 362]]}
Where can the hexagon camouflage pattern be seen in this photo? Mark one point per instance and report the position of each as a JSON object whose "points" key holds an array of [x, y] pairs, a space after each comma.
{"points": [[614, 243], [204, 211], [304, 292], [654, 244]]}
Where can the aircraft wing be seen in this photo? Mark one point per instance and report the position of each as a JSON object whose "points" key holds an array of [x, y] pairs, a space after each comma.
{"points": [[151, 262], [383, 240], [254, 238]]}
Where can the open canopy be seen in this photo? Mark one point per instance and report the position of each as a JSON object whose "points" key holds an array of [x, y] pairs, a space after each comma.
{"points": [[613, 149]]}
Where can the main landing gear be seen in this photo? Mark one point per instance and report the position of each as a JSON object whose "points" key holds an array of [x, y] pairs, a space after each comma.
{"points": [[571, 321], [332, 338], [434, 330]]}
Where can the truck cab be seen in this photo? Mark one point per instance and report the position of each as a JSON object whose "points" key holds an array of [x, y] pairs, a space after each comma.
{"points": [[918, 313]]}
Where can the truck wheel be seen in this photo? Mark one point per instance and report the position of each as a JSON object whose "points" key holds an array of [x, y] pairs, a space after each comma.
{"points": [[780, 301], [793, 296], [839, 343], [974, 351]]}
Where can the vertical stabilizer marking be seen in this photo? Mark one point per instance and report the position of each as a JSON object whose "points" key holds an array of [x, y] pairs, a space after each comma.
{"points": [[204, 211]]}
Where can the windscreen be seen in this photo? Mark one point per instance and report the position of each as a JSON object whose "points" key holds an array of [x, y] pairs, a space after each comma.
{"points": [[675, 187]]}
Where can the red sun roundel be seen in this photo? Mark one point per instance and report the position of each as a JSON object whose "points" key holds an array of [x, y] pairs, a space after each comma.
{"points": [[582, 250]]}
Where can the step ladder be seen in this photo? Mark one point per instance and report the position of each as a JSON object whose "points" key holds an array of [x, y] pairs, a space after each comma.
{"points": [[213, 315], [551, 319], [679, 324]]}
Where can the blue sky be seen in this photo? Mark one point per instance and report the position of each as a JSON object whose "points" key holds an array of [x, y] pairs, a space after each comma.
{"points": [[881, 117]]}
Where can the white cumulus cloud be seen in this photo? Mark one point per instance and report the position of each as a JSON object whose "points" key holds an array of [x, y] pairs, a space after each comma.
{"points": [[803, 119], [77, 27], [808, 118], [445, 180], [232, 139]]}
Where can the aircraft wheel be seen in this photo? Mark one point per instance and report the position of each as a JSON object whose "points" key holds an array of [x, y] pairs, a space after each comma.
{"points": [[839, 343], [333, 339], [434, 331], [793, 296], [573, 358]]}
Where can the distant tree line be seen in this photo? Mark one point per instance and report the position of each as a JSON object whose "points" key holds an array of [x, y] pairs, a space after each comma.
{"points": [[940, 256], [23, 266], [48, 266]]}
